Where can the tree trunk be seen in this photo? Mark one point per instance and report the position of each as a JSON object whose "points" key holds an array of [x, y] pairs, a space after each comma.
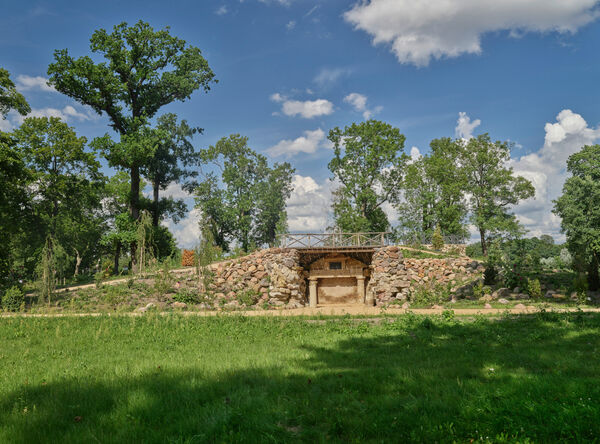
{"points": [[134, 208], [593, 276], [483, 243], [77, 262], [117, 255], [155, 214]]}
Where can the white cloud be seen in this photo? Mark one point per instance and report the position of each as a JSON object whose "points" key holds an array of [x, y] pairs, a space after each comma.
{"points": [[187, 231], [421, 30], [546, 169], [328, 76], [29, 83], [68, 113], [307, 109], [309, 206], [359, 103], [309, 143], [290, 25], [464, 126], [222, 10]]}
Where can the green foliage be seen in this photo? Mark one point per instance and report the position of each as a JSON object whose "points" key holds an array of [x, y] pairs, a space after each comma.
{"points": [[534, 288], [433, 194], [163, 282], [437, 240], [107, 268], [247, 203], [368, 161], [247, 297], [13, 299], [10, 98], [579, 209], [187, 296], [429, 295], [493, 187]]}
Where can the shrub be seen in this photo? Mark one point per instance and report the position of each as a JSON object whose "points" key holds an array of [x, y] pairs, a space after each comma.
{"points": [[565, 258], [478, 290], [98, 279], [428, 295], [580, 286], [437, 240], [247, 297], [108, 268], [13, 299], [187, 296], [534, 288], [188, 258]]}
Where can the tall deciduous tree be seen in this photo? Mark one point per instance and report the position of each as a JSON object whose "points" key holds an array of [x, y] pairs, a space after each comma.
{"points": [[14, 177], [248, 204], [579, 208], [144, 70], [171, 162], [493, 187], [433, 193], [368, 161]]}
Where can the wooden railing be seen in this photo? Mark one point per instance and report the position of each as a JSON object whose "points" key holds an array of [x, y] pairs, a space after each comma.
{"points": [[333, 240]]}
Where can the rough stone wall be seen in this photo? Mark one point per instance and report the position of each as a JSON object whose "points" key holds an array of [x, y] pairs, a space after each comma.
{"points": [[274, 275], [393, 277], [451, 248]]}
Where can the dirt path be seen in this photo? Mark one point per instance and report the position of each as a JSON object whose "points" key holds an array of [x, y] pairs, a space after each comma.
{"points": [[355, 310]]}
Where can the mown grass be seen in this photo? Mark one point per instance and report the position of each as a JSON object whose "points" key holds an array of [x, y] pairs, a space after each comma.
{"points": [[236, 379]]}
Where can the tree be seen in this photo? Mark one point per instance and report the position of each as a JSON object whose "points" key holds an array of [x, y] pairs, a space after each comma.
{"points": [[174, 154], [492, 186], [145, 70], [65, 186], [432, 194], [10, 98], [368, 161], [248, 204], [579, 209], [14, 177]]}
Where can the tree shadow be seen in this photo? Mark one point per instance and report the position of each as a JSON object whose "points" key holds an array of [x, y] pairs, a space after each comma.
{"points": [[409, 379]]}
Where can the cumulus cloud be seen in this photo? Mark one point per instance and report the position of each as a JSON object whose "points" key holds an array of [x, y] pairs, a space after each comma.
{"points": [[187, 231], [464, 126], [546, 169], [359, 103], [306, 109], [309, 143], [290, 25], [68, 113], [418, 31], [29, 83], [309, 206]]}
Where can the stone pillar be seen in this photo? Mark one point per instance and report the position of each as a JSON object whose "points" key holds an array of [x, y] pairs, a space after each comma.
{"points": [[368, 298], [360, 287], [312, 292]]}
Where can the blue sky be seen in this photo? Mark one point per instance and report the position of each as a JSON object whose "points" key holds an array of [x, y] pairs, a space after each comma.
{"points": [[288, 71]]}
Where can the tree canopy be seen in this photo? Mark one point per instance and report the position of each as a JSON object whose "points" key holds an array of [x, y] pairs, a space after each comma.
{"points": [[368, 162], [579, 209]]}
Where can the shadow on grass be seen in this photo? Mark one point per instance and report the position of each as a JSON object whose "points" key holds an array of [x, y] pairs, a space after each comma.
{"points": [[409, 380]]}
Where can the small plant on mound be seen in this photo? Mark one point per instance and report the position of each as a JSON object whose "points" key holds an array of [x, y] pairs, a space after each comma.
{"points": [[580, 286], [426, 295], [247, 297], [437, 240], [534, 288], [186, 296], [13, 299], [163, 280]]}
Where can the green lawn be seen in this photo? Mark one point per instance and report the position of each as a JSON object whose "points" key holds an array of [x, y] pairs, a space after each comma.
{"points": [[236, 379]]}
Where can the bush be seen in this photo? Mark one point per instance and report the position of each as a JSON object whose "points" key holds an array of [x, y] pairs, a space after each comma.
{"points": [[13, 299], [534, 288], [247, 297], [428, 296], [108, 268], [186, 296], [188, 258], [580, 285], [437, 240], [490, 275]]}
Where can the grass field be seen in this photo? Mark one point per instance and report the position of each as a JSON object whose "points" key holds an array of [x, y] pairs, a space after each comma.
{"points": [[236, 379]]}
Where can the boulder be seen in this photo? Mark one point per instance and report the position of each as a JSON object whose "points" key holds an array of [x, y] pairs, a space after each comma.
{"points": [[178, 304], [503, 301], [520, 307], [501, 293], [487, 306]]}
